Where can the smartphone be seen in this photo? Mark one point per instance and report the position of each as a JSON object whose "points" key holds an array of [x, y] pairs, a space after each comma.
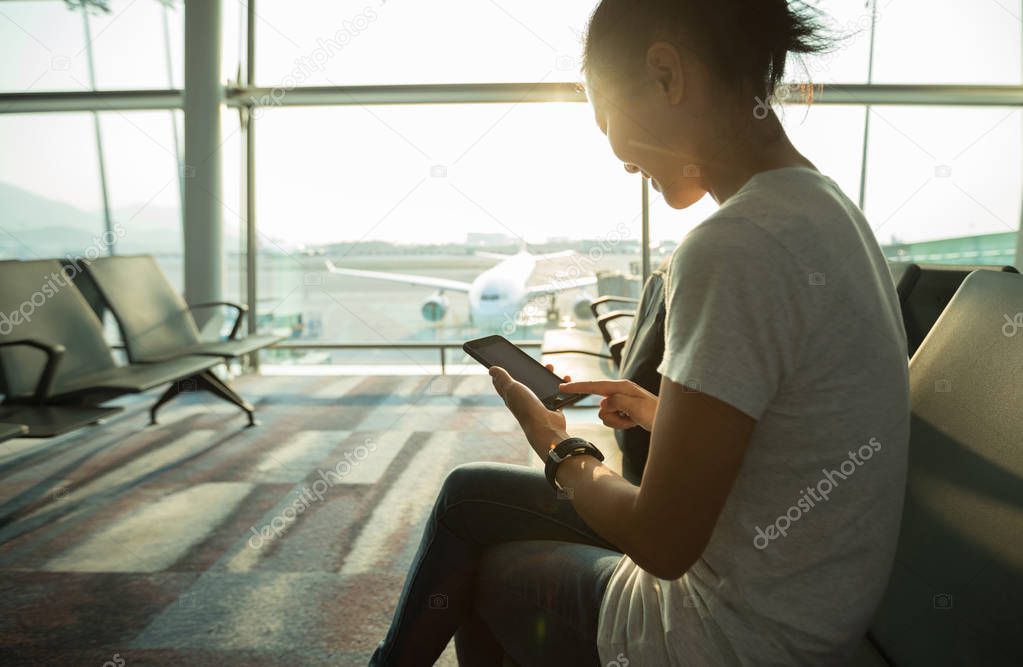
{"points": [[499, 351]]}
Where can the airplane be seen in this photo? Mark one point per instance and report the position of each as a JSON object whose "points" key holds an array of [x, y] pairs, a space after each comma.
{"points": [[496, 297]]}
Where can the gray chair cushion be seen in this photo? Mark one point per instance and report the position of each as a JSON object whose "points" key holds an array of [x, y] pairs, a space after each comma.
{"points": [[9, 431], [51, 310], [154, 319], [955, 592], [930, 293], [236, 348], [50, 421]]}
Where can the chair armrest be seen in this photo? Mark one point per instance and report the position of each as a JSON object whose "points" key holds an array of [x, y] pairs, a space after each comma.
{"points": [[617, 347], [604, 320], [54, 353], [239, 307], [597, 303]]}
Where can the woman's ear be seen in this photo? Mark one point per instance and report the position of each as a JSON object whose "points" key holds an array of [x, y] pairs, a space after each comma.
{"points": [[665, 65]]}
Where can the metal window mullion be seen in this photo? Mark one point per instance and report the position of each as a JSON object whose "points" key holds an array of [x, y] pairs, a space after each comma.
{"points": [[866, 118], [251, 245], [137, 100], [108, 224]]}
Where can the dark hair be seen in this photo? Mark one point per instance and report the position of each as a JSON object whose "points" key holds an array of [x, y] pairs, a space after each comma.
{"points": [[744, 41]]}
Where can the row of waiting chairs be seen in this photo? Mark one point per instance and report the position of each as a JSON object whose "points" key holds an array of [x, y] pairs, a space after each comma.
{"points": [[56, 368]]}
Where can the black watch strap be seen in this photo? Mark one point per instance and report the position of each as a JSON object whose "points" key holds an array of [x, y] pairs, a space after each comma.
{"points": [[564, 450]]}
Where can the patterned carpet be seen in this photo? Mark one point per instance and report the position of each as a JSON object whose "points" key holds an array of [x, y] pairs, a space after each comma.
{"points": [[202, 542]]}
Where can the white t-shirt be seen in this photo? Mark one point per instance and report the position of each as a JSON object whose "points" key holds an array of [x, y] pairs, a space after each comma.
{"points": [[781, 304]]}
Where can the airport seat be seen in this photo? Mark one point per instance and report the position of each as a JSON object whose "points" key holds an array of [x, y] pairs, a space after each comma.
{"points": [[905, 275], [11, 431], [155, 322], [607, 303], [930, 293], [615, 324], [47, 421], [953, 596], [158, 326], [55, 353]]}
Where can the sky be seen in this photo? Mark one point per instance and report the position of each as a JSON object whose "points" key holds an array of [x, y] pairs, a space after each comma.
{"points": [[433, 173]]}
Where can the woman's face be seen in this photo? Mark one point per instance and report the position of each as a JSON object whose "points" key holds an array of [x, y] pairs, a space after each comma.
{"points": [[654, 124]]}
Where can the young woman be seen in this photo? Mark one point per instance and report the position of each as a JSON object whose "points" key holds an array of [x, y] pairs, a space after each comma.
{"points": [[765, 525]]}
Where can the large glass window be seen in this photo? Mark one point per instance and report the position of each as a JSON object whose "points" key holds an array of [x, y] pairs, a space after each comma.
{"points": [[135, 45], [436, 192], [830, 136], [351, 42], [50, 198], [941, 173], [951, 41]]}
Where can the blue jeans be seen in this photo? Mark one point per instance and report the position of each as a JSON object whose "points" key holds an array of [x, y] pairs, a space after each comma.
{"points": [[509, 569]]}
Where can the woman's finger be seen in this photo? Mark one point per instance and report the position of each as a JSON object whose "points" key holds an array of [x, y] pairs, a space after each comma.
{"points": [[612, 419], [623, 403]]}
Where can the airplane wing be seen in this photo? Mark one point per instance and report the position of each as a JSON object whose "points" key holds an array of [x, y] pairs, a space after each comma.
{"points": [[562, 285], [491, 255], [556, 255], [408, 279]]}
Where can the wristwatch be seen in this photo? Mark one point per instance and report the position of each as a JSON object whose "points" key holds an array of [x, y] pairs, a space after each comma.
{"points": [[564, 450]]}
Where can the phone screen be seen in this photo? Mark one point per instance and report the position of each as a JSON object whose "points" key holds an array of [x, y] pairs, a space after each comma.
{"points": [[499, 351]]}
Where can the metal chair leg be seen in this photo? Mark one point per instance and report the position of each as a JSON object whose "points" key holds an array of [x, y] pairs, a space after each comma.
{"points": [[172, 391], [210, 382]]}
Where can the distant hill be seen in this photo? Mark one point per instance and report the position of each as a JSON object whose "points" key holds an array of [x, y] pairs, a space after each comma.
{"points": [[32, 226]]}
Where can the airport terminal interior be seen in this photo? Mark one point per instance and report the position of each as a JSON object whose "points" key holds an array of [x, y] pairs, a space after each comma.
{"points": [[244, 242]]}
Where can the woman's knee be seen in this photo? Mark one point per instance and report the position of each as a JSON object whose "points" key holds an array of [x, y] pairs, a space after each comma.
{"points": [[483, 481]]}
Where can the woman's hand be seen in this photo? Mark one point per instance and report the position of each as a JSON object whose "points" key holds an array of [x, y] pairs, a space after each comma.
{"points": [[625, 403], [542, 427]]}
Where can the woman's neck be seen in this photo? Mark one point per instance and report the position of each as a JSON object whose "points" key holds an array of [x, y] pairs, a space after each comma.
{"points": [[751, 150]]}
